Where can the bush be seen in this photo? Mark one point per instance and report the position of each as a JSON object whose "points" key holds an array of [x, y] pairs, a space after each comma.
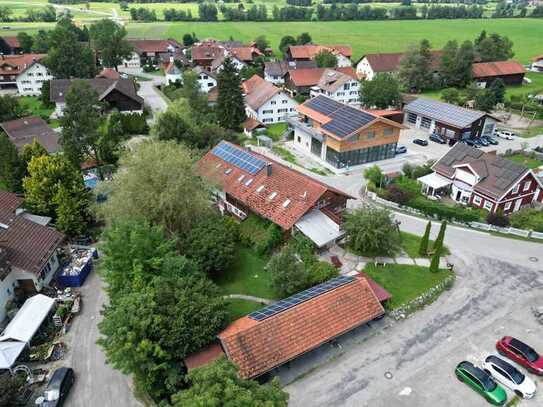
{"points": [[497, 219], [530, 219], [396, 194], [134, 123], [442, 211], [418, 171], [274, 237], [374, 175], [263, 235]]}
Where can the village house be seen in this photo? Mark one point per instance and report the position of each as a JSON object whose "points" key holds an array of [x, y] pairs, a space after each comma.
{"points": [[342, 136], [275, 71], [173, 73], [206, 79], [300, 81], [450, 121], [23, 73], [25, 130], [251, 183], [371, 64], [109, 73], [341, 87], [308, 52], [270, 337], [510, 72], [210, 54], [472, 177], [117, 94], [9, 45], [152, 52], [537, 63], [266, 102], [28, 250]]}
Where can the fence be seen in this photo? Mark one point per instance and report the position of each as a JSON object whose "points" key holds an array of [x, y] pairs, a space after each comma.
{"points": [[476, 225]]}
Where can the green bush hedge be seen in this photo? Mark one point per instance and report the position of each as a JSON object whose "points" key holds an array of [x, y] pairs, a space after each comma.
{"points": [[528, 219], [445, 212], [262, 235], [134, 123]]}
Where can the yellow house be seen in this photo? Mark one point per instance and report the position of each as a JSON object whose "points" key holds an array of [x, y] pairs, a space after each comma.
{"points": [[344, 136]]}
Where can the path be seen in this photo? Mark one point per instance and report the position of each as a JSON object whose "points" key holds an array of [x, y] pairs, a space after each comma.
{"points": [[250, 298], [97, 383], [60, 6]]}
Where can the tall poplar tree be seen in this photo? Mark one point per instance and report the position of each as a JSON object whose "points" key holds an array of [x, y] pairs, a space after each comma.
{"points": [[230, 104]]}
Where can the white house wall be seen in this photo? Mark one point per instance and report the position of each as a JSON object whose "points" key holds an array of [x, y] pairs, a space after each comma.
{"points": [[29, 83], [132, 62], [276, 109], [364, 68], [206, 82], [343, 61], [276, 80], [7, 287]]}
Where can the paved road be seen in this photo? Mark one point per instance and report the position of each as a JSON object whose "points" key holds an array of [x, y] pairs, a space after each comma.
{"points": [[152, 98], [97, 383], [490, 298]]}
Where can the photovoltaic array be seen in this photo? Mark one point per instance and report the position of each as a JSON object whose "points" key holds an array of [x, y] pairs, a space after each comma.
{"points": [[240, 158], [303, 296]]}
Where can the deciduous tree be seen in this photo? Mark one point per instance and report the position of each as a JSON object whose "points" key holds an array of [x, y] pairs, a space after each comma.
{"points": [[10, 108], [286, 41], [485, 100], [109, 38], [26, 41], [414, 71], [218, 384], [498, 89], [325, 59], [303, 39], [493, 47], [381, 92]]}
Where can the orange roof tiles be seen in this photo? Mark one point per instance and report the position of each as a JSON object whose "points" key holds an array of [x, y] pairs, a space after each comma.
{"points": [[258, 91], [16, 64], [312, 76], [205, 356], [497, 68], [310, 50], [302, 191], [259, 346]]}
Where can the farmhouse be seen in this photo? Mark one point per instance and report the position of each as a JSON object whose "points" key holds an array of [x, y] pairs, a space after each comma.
{"points": [[450, 121], [23, 73], [10, 45], [109, 73], [537, 63], [371, 64], [117, 94], [206, 79], [252, 183], [275, 71], [28, 250], [341, 87], [173, 73], [300, 81], [510, 72], [151, 52], [267, 103], [343, 136], [23, 131], [471, 176], [210, 53], [308, 52], [272, 336]]}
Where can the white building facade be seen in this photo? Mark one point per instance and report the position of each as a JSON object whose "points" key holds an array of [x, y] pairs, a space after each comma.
{"points": [[30, 81], [348, 93], [364, 69], [275, 110]]}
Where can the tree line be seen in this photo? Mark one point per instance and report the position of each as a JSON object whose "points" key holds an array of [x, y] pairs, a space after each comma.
{"points": [[46, 14]]}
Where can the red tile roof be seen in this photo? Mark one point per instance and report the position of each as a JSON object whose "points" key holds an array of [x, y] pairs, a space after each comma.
{"points": [[390, 62], [310, 50], [206, 52], [205, 356], [29, 245], [250, 124], [497, 68], [259, 346], [17, 64], [258, 91], [10, 201], [12, 41], [245, 54], [380, 292], [302, 190], [141, 46], [109, 73], [312, 76]]}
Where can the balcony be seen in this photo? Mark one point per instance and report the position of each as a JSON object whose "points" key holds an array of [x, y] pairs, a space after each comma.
{"points": [[295, 123]]}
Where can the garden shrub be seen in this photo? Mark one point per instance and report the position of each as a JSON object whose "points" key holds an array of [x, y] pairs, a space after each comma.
{"points": [[134, 123], [497, 219], [442, 211], [396, 194], [261, 234], [528, 218]]}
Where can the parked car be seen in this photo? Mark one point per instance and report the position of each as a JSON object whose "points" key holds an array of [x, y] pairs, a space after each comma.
{"points": [[481, 382], [58, 387], [469, 142], [520, 353], [491, 140], [482, 141], [506, 134], [509, 376], [538, 149], [401, 149], [437, 138], [420, 142]]}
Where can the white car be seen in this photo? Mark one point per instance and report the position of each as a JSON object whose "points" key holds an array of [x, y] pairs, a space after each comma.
{"points": [[509, 376], [508, 135]]}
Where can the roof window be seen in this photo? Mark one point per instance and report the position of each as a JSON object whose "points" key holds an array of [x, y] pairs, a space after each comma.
{"points": [[272, 195], [228, 171], [260, 188], [286, 203], [241, 177], [248, 182]]}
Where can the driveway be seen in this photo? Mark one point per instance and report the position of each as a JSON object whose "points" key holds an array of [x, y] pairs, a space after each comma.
{"points": [[153, 99], [491, 298], [97, 383]]}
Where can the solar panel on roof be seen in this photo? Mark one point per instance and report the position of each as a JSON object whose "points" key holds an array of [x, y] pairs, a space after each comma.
{"points": [[240, 158], [300, 297], [323, 105], [347, 120]]}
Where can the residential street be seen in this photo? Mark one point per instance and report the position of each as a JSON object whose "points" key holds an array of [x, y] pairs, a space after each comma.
{"points": [[152, 98], [97, 383]]}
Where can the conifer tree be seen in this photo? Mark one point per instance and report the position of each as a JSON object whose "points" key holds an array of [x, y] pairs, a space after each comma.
{"points": [[438, 244], [423, 249], [230, 105]]}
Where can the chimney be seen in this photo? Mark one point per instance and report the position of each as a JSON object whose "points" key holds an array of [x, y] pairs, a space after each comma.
{"points": [[269, 169]]}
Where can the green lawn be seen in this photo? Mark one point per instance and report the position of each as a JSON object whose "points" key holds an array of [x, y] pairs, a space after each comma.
{"points": [[3, 185], [35, 107], [284, 154], [276, 130], [411, 243], [404, 283], [528, 162], [247, 276], [239, 308]]}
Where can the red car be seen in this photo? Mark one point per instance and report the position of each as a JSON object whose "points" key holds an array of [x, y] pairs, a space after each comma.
{"points": [[521, 353]]}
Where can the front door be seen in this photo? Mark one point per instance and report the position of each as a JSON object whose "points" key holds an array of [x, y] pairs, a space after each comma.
{"points": [[28, 287], [458, 196], [316, 147]]}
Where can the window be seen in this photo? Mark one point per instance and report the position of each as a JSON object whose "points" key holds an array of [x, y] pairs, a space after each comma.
{"points": [[389, 131], [527, 186], [515, 190], [267, 120], [241, 177], [477, 200], [488, 205], [299, 139], [228, 171], [284, 101], [341, 94], [273, 102], [210, 84], [507, 206], [248, 182], [272, 195], [425, 122], [270, 111], [371, 134], [260, 188], [347, 86], [204, 76], [286, 203], [412, 118], [282, 110], [292, 109]]}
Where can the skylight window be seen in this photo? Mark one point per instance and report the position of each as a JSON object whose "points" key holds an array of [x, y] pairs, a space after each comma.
{"points": [[260, 188], [228, 171], [241, 177], [272, 195], [248, 182], [286, 203]]}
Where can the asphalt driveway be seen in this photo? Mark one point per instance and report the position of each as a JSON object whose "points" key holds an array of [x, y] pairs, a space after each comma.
{"points": [[491, 298]]}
